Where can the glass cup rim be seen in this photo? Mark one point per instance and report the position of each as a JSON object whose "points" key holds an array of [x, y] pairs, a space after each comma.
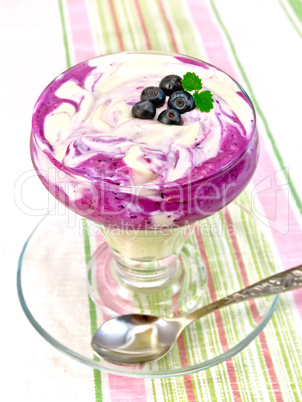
{"points": [[148, 186]]}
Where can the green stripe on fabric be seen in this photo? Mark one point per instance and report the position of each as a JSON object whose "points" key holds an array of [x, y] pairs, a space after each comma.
{"points": [[65, 41], [257, 107], [96, 28], [93, 317], [109, 37], [296, 5], [156, 28], [292, 341], [286, 347], [126, 24], [293, 22], [187, 35], [153, 390]]}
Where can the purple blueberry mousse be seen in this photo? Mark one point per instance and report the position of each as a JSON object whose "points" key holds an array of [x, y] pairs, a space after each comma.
{"points": [[114, 169]]}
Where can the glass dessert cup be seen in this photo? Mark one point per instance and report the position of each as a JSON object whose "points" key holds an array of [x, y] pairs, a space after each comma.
{"points": [[162, 249], [146, 260]]}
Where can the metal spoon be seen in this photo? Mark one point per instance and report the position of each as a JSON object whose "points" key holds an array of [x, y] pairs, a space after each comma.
{"points": [[137, 338]]}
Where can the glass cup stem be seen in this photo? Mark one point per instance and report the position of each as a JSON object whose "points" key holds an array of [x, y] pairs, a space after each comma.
{"points": [[146, 258]]}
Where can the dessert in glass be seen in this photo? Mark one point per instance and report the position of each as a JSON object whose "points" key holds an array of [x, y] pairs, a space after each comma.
{"points": [[144, 182]]}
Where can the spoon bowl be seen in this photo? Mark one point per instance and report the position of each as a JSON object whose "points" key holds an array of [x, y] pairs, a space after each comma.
{"points": [[137, 338]]}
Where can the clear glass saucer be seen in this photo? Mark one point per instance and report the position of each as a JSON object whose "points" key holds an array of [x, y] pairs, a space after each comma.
{"points": [[53, 289]]}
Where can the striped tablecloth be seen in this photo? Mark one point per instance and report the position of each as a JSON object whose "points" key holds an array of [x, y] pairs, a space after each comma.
{"points": [[259, 43]]}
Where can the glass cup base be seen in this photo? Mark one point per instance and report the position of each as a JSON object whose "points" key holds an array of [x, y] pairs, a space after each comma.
{"points": [[52, 289], [179, 292]]}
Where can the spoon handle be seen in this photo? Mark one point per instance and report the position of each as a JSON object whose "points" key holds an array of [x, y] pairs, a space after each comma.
{"points": [[279, 283]]}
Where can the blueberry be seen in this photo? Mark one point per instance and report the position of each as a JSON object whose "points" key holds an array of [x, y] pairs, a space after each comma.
{"points": [[171, 83], [155, 95], [170, 116], [143, 110], [182, 101]]}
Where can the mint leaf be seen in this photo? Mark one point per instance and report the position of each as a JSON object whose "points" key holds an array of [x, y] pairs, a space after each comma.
{"points": [[203, 100], [191, 82]]}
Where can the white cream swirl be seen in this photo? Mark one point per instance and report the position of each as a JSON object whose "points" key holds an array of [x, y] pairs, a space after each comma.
{"points": [[93, 121]]}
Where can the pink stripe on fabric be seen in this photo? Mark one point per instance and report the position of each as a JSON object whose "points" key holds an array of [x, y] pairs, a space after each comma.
{"points": [[210, 36], [116, 26], [218, 318], [142, 22], [270, 367], [167, 22], [298, 299], [81, 34], [184, 362], [127, 389]]}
